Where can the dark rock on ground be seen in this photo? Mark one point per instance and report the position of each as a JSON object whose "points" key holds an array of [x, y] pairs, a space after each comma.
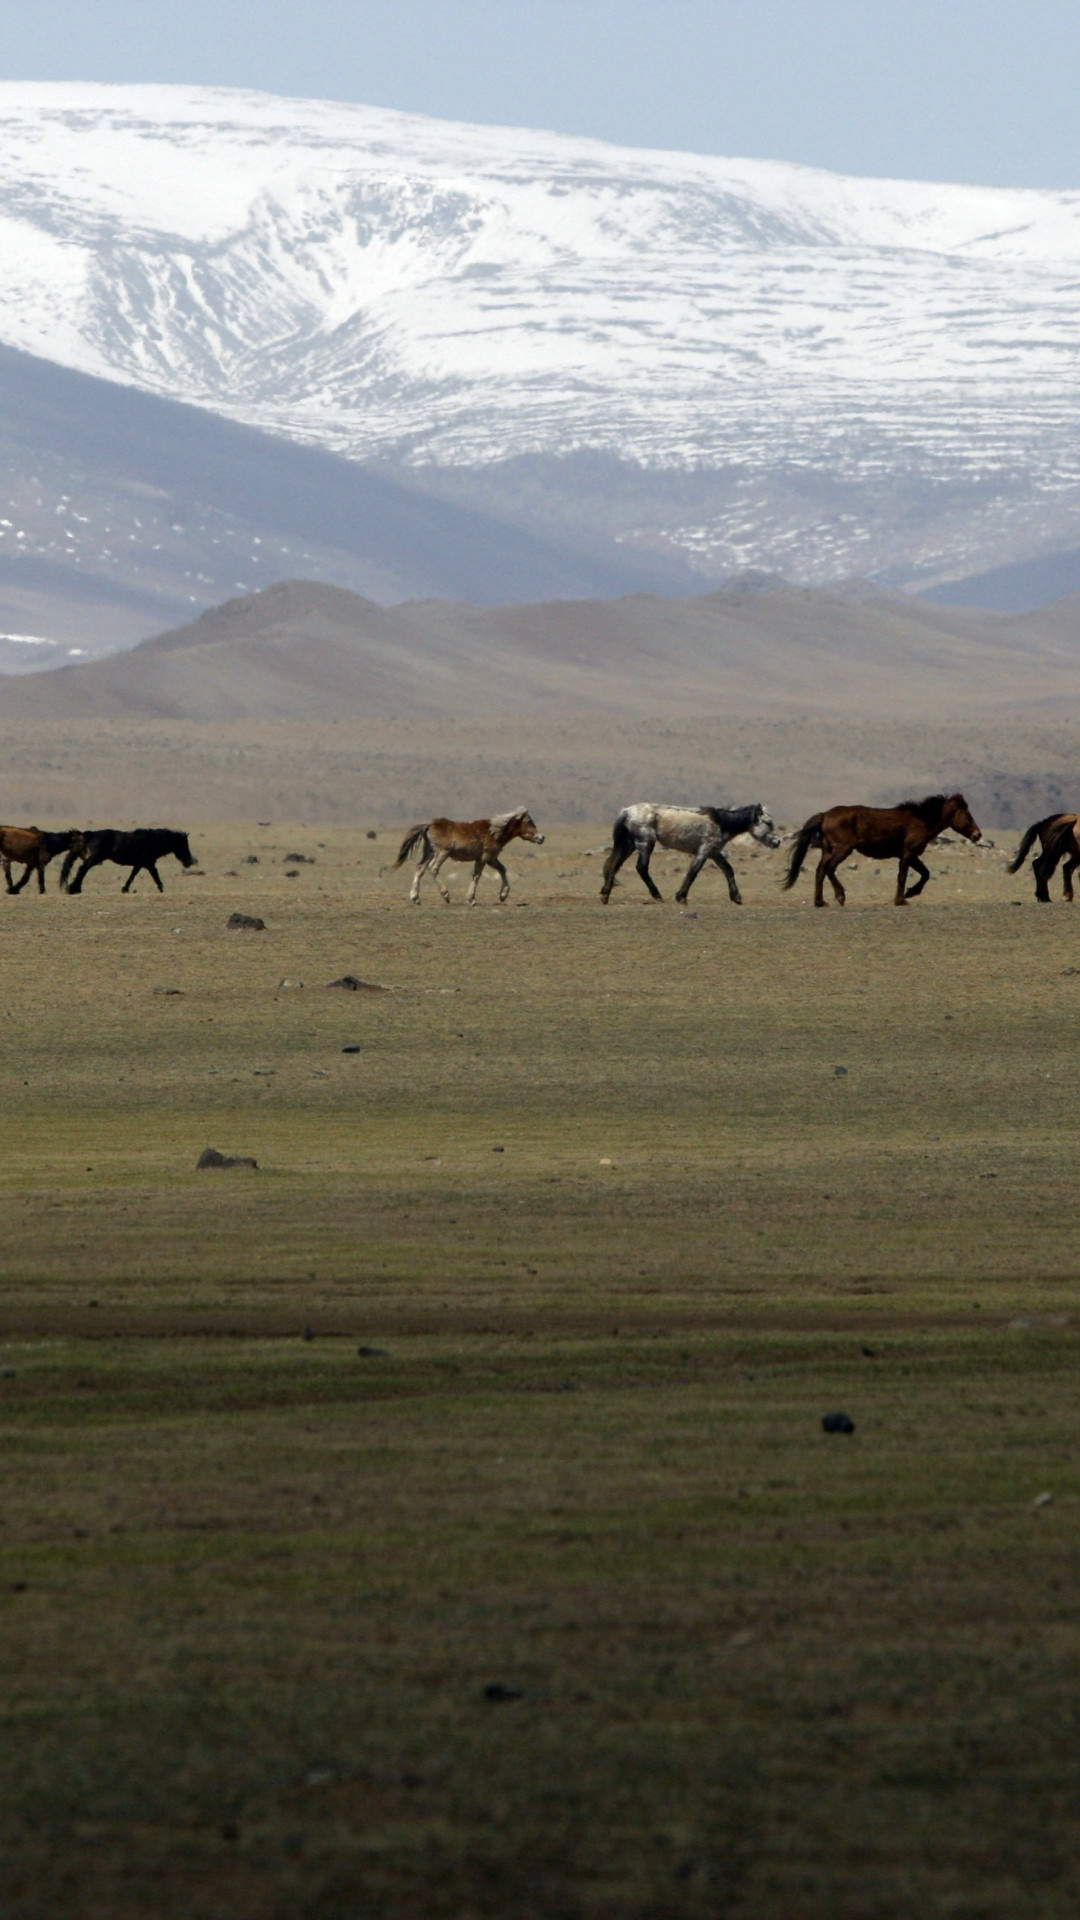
{"points": [[838, 1423], [210, 1157], [250, 920]]}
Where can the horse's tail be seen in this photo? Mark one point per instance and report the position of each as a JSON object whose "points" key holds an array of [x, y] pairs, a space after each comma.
{"points": [[1024, 848], [412, 839], [622, 846], [809, 836]]}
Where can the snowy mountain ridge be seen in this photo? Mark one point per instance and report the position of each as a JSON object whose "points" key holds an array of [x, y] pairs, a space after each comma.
{"points": [[820, 374]]}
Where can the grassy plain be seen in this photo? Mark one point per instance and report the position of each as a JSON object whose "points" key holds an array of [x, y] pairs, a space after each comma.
{"points": [[506, 1371]]}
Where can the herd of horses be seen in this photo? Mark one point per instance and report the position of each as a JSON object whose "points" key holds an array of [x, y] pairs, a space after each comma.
{"points": [[900, 833]]}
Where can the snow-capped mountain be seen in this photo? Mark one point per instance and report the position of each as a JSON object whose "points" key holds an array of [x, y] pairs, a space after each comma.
{"points": [[738, 363]]}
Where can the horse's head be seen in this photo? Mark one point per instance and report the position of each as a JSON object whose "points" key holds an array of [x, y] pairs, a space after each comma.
{"points": [[183, 851], [959, 817], [518, 826], [763, 827]]}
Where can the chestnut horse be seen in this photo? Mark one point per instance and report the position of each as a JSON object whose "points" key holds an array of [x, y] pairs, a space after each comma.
{"points": [[1062, 842], [881, 833], [32, 848], [480, 841], [1047, 831]]}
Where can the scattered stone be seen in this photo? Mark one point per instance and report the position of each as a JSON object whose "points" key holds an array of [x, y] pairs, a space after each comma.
{"points": [[1043, 1500], [1068, 970], [299, 860], [251, 859], [838, 1423], [373, 1353], [210, 1157], [350, 1049], [285, 985], [839, 1071], [18, 1586], [291, 873], [170, 993], [869, 1353], [309, 1333], [607, 1163], [352, 983], [370, 835], [498, 1149], [249, 921], [495, 1690]]}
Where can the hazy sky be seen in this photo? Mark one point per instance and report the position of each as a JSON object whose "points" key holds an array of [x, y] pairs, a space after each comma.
{"points": [[983, 90]]}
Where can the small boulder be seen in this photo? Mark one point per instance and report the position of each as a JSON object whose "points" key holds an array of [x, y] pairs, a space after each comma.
{"points": [[352, 983], [210, 1157], [838, 1423], [237, 922]]}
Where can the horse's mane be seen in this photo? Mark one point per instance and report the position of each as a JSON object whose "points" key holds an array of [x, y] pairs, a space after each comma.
{"points": [[500, 819], [933, 803], [723, 816]]}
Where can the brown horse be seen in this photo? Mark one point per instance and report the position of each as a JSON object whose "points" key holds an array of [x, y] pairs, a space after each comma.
{"points": [[1062, 842], [32, 849], [881, 833], [480, 841], [1047, 831]]}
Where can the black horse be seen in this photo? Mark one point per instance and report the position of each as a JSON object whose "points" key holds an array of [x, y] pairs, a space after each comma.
{"points": [[142, 848]]}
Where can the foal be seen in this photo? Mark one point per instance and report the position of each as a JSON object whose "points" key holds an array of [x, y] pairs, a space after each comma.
{"points": [[703, 832], [480, 841]]}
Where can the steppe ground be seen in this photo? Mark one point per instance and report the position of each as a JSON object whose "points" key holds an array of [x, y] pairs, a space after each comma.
{"points": [[438, 1521]]}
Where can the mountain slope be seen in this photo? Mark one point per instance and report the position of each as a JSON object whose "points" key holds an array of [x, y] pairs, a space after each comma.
{"points": [[123, 512], [771, 365], [306, 653]]}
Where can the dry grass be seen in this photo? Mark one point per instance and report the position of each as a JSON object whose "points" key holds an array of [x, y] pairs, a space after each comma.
{"points": [[254, 1585]]}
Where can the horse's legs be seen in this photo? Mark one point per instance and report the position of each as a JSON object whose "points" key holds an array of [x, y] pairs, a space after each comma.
{"points": [[154, 875], [414, 890], [7, 875], [504, 877], [1042, 890], [923, 872], [438, 861], [92, 860], [40, 875], [644, 855], [692, 872], [900, 897], [826, 870], [728, 872], [612, 864], [1067, 872], [127, 883]]}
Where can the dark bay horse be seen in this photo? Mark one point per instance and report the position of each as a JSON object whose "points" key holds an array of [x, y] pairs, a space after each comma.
{"points": [[702, 832], [480, 841], [1062, 842], [881, 833], [1048, 831], [142, 848], [32, 848]]}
